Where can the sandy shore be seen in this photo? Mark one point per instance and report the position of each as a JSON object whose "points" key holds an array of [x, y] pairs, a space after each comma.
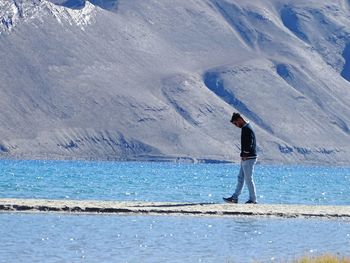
{"points": [[163, 208]]}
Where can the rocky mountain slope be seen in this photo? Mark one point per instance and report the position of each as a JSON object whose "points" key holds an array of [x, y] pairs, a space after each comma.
{"points": [[159, 80]]}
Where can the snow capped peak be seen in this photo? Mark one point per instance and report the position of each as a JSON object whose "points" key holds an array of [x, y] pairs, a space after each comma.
{"points": [[80, 17], [14, 12]]}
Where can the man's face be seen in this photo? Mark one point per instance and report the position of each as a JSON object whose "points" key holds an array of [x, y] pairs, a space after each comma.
{"points": [[238, 123]]}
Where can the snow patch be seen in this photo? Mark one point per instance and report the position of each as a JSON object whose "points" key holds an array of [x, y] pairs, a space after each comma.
{"points": [[81, 18], [15, 12]]}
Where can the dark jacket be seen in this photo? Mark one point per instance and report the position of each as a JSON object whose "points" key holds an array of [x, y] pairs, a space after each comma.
{"points": [[248, 142]]}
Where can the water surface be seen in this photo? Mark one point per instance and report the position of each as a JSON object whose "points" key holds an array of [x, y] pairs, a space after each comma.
{"points": [[53, 237], [171, 182], [103, 238]]}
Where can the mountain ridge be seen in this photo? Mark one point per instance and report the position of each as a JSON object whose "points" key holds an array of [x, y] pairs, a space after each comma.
{"points": [[125, 80]]}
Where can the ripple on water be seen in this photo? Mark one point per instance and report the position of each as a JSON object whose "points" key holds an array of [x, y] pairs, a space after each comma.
{"points": [[170, 182], [43, 237]]}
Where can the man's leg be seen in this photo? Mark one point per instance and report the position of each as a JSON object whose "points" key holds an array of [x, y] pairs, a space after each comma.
{"points": [[248, 168], [240, 183]]}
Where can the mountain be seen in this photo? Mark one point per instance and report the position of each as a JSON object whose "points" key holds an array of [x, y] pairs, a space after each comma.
{"points": [[159, 80]]}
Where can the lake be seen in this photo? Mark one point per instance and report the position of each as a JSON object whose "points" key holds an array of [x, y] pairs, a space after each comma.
{"points": [[50, 237]]}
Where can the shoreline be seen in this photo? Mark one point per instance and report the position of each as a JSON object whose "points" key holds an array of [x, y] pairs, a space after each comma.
{"points": [[173, 209], [178, 160]]}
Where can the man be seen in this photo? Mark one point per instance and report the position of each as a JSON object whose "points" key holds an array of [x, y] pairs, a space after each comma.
{"points": [[248, 160]]}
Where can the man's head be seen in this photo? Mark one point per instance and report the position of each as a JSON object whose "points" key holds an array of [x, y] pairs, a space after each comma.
{"points": [[238, 120]]}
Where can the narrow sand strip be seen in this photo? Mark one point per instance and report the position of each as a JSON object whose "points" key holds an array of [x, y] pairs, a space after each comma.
{"points": [[162, 208]]}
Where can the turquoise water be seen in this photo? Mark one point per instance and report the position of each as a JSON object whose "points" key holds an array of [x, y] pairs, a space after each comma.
{"points": [[51, 237], [101, 238], [170, 182]]}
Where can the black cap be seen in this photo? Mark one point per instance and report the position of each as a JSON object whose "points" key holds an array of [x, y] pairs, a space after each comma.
{"points": [[235, 116]]}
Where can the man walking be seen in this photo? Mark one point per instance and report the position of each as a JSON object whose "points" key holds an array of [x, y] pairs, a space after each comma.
{"points": [[248, 160]]}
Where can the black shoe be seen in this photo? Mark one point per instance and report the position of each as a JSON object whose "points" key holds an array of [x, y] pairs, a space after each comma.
{"points": [[251, 202], [230, 200]]}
